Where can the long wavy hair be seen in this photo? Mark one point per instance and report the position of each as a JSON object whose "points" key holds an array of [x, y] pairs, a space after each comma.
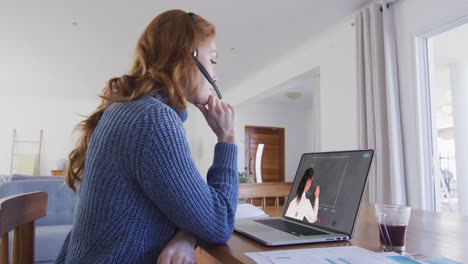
{"points": [[308, 174], [162, 64]]}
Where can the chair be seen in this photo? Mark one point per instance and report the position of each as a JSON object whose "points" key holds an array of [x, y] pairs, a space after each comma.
{"points": [[52, 229], [264, 190], [19, 212]]}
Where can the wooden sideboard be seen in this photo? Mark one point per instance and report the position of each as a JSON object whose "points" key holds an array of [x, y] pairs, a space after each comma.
{"points": [[57, 172]]}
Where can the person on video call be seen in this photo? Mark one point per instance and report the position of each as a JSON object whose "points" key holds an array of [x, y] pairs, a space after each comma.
{"points": [[300, 206], [141, 196]]}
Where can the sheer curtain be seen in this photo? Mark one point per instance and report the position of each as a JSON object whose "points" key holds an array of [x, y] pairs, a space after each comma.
{"points": [[378, 103]]}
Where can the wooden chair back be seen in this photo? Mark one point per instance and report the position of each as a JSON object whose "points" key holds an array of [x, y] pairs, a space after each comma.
{"points": [[264, 190], [19, 213]]}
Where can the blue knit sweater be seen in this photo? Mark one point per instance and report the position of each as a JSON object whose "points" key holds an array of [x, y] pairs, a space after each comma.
{"points": [[140, 185]]}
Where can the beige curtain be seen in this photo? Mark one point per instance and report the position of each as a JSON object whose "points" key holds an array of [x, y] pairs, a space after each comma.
{"points": [[379, 106]]}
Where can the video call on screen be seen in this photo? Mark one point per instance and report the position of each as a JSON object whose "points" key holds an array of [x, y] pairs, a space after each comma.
{"points": [[341, 177]]}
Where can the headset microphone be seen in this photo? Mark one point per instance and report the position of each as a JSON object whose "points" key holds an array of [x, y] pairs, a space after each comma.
{"points": [[200, 66], [206, 74]]}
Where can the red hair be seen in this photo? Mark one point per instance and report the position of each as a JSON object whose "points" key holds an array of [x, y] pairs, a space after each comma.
{"points": [[162, 63]]}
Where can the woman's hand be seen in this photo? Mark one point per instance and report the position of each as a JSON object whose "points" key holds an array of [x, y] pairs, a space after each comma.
{"points": [[317, 191], [180, 250], [221, 117]]}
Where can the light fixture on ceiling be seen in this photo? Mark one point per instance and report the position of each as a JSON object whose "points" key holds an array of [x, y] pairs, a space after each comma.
{"points": [[293, 95]]}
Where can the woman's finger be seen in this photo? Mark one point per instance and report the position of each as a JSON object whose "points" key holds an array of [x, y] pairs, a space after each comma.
{"points": [[177, 259], [211, 102], [225, 107], [163, 258]]}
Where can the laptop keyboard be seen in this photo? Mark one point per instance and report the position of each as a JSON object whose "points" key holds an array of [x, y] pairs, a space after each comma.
{"points": [[289, 227]]}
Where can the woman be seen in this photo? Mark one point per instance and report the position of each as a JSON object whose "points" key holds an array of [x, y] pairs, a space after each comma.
{"points": [[140, 194], [301, 207]]}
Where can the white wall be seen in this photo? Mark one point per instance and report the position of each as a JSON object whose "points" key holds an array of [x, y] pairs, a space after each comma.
{"points": [[294, 120], [334, 52], [56, 116], [314, 116], [414, 18], [459, 84]]}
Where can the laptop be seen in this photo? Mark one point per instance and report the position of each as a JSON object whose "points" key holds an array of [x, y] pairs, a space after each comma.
{"points": [[323, 203]]}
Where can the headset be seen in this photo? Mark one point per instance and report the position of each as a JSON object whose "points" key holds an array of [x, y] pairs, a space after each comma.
{"points": [[200, 66]]}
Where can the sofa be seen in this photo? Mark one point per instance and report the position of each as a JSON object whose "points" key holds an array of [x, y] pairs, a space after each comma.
{"points": [[52, 229]]}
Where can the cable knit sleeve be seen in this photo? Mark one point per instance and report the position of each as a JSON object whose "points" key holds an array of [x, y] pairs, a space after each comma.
{"points": [[168, 176]]}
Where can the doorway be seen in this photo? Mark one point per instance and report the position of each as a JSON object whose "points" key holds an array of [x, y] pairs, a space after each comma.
{"points": [[444, 78], [264, 153]]}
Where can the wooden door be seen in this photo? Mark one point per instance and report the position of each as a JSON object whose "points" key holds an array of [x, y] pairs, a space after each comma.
{"points": [[272, 163]]}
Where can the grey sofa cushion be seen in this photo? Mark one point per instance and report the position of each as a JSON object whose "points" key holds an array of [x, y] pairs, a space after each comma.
{"points": [[19, 177], [49, 241]]}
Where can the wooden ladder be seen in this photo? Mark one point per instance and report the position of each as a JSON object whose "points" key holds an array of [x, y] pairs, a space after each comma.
{"points": [[14, 146]]}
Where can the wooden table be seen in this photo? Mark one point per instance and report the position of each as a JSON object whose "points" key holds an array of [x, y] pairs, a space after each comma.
{"points": [[429, 234]]}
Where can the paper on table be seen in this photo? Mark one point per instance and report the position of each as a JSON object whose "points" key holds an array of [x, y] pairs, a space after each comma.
{"points": [[249, 211], [439, 261], [416, 258], [328, 255]]}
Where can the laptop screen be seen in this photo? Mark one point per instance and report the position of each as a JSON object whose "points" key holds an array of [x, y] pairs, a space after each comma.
{"points": [[327, 189]]}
